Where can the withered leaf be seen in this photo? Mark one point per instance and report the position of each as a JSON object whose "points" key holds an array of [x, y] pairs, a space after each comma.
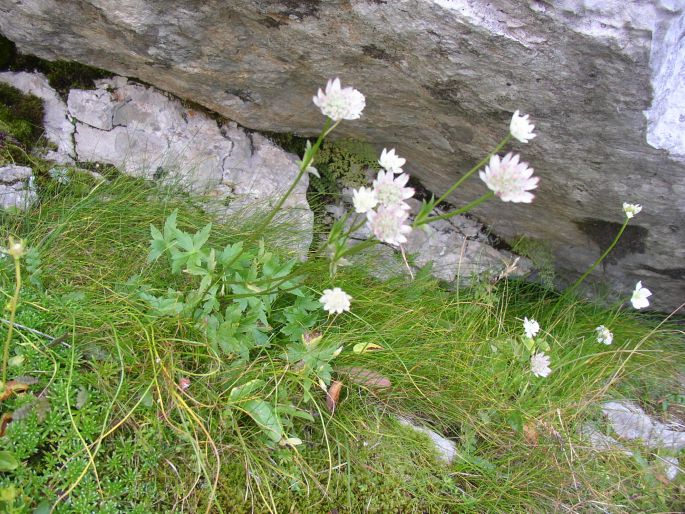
{"points": [[5, 420], [530, 434], [333, 395], [366, 377], [13, 387]]}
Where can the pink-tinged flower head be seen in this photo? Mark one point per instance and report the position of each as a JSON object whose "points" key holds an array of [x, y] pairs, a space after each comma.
{"points": [[604, 335], [510, 179], [340, 103], [335, 300], [631, 209], [391, 162], [364, 199], [390, 190], [640, 295], [521, 128], [387, 224], [539, 365], [530, 327]]}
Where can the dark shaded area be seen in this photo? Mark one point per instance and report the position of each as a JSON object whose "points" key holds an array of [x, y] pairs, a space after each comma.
{"points": [[674, 273], [62, 75], [377, 53], [293, 9], [602, 233]]}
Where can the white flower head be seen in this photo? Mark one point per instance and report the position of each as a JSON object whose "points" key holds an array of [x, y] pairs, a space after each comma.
{"points": [[391, 162], [640, 295], [390, 190], [631, 209], [521, 128], [364, 199], [387, 224], [539, 365], [530, 327], [340, 103], [335, 300], [510, 179], [604, 335]]}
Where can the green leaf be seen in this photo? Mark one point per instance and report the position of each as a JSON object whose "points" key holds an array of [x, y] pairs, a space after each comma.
{"points": [[246, 390], [264, 416], [8, 462], [185, 240], [146, 399], [365, 347], [44, 507], [201, 237], [170, 226], [230, 253], [515, 421]]}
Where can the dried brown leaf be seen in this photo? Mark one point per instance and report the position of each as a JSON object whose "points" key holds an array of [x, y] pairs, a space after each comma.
{"points": [[13, 387], [530, 434], [5, 420], [366, 377], [333, 395]]}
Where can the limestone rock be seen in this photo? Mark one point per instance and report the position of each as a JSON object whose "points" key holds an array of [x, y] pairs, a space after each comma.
{"points": [[629, 421], [446, 448], [58, 127], [458, 249], [16, 187], [603, 82]]}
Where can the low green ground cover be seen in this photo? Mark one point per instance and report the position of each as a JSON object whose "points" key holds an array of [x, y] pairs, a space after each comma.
{"points": [[101, 420]]}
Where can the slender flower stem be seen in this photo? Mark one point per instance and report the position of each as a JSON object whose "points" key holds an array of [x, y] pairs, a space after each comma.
{"points": [[478, 166], [306, 161], [464, 209], [13, 310], [601, 258]]}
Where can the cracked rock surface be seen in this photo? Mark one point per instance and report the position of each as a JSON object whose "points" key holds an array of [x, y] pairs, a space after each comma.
{"points": [[146, 133], [16, 187]]}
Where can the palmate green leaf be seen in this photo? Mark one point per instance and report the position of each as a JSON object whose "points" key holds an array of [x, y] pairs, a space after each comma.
{"points": [[170, 305], [185, 240], [263, 414]]}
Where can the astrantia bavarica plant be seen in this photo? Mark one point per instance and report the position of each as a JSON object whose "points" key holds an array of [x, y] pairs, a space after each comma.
{"points": [[244, 299]]}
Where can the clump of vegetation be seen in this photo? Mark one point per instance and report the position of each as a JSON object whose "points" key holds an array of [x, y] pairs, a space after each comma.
{"points": [[21, 118], [540, 255], [62, 75]]}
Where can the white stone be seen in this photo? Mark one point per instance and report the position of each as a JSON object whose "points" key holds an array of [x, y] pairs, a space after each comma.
{"points": [[669, 466], [602, 442], [629, 421], [16, 187], [666, 116], [92, 107], [58, 129], [446, 448]]}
